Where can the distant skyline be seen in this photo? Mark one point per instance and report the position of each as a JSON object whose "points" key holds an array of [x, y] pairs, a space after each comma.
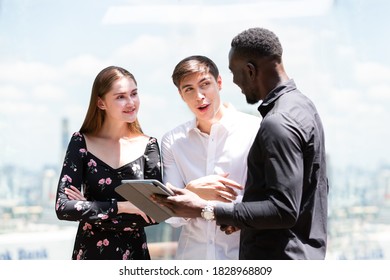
{"points": [[50, 52]]}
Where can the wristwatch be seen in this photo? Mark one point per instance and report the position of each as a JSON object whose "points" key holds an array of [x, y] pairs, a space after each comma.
{"points": [[208, 212]]}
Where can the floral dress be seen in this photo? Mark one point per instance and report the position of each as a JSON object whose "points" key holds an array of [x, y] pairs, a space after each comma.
{"points": [[102, 233]]}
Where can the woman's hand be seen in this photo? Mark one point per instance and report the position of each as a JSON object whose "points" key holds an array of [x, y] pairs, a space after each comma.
{"points": [[123, 206], [215, 187], [74, 194]]}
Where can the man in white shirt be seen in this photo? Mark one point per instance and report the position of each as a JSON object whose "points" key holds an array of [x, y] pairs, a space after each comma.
{"points": [[207, 155]]}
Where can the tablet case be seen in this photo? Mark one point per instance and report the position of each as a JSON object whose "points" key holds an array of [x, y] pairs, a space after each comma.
{"points": [[138, 192]]}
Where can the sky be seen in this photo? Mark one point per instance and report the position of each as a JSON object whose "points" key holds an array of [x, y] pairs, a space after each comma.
{"points": [[51, 51]]}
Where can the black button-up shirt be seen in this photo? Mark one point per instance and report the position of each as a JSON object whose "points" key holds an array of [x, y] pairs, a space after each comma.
{"points": [[284, 210]]}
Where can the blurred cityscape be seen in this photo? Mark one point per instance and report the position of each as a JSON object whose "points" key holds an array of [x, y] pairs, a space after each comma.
{"points": [[359, 215]]}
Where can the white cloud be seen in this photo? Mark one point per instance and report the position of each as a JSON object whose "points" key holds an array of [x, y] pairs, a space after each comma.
{"points": [[211, 13], [345, 97], [46, 92], [21, 72], [84, 66], [20, 109], [372, 72], [10, 92], [380, 92], [144, 48], [346, 51]]}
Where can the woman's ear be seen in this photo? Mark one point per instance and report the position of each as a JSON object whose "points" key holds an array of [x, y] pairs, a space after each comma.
{"points": [[100, 104]]}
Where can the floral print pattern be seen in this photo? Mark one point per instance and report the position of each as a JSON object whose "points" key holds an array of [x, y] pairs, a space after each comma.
{"points": [[102, 232]]}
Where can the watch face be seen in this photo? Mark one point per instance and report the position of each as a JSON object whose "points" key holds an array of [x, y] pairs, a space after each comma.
{"points": [[208, 213]]}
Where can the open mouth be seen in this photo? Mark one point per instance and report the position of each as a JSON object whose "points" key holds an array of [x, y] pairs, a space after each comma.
{"points": [[203, 107]]}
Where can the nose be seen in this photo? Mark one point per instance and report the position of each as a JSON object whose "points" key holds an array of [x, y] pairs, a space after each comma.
{"points": [[130, 101], [200, 95]]}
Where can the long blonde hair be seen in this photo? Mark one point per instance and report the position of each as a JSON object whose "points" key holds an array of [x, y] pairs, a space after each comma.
{"points": [[94, 118]]}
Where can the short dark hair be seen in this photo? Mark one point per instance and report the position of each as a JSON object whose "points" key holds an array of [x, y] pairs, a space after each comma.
{"points": [[259, 42], [194, 64]]}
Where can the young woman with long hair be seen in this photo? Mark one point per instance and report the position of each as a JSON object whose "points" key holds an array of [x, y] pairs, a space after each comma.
{"points": [[109, 147]]}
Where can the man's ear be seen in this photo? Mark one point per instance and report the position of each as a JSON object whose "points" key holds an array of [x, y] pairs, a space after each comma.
{"points": [[251, 70], [219, 82], [100, 104]]}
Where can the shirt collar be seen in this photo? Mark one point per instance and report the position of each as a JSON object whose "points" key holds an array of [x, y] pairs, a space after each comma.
{"points": [[225, 121], [274, 94]]}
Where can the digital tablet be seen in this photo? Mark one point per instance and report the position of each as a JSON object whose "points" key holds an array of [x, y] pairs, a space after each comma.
{"points": [[138, 192]]}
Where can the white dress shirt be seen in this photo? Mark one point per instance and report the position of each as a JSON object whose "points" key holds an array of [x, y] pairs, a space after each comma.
{"points": [[189, 154]]}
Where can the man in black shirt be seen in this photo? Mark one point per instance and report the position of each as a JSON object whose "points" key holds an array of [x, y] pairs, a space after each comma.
{"points": [[283, 214]]}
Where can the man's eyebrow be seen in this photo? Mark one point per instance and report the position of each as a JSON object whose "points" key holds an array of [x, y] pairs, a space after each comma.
{"points": [[200, 81], [186, 86]]}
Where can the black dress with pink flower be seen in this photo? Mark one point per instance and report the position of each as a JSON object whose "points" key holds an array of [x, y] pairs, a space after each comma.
{"points": [[102, 233]]}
